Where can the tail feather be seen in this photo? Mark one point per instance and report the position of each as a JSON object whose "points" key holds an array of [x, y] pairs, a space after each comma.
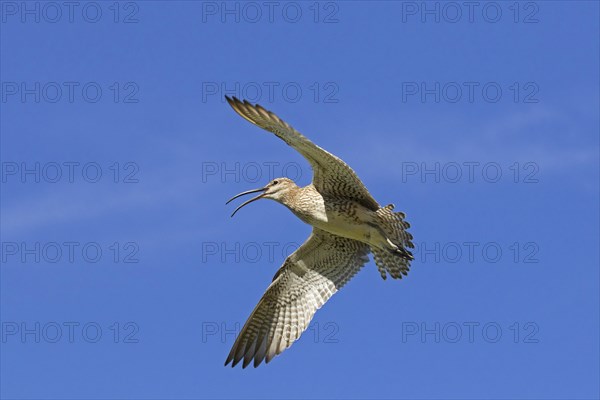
{"points": [[395, 262], [389, 263]]}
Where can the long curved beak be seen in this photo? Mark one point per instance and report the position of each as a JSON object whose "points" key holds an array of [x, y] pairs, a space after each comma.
{"points": [[249, 201]]}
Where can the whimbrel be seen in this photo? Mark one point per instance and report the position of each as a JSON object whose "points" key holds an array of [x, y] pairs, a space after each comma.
{"points": [[347, 224]]}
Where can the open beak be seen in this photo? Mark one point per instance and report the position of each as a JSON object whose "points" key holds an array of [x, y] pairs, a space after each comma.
{"points": [[249, 201]]}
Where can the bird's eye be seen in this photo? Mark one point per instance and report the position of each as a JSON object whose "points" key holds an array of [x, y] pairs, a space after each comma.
{"points": [[275, 182]]}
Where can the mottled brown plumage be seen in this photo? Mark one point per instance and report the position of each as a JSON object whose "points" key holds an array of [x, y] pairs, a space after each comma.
{"points": [[347, 224]]}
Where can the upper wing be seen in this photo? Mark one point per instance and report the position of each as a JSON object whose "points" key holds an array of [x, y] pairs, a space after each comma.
{"points": [[307, 279], [331, 175]]}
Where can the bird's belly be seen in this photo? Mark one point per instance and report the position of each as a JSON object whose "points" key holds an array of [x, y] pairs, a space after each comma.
{"points": [[354, 230], [354, 225]]}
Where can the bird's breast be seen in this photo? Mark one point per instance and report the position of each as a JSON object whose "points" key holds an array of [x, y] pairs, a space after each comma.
{"points": [[341, 217]]}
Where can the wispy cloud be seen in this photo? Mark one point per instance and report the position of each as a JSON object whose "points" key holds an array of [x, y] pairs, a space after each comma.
{"points": [[516, 136]]}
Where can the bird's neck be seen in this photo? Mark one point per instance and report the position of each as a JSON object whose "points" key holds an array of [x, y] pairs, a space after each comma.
{"points": [[302, 201], [291, 197]]}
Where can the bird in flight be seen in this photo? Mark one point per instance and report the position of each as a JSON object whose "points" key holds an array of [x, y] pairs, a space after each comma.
{"points": [[348, 224]]}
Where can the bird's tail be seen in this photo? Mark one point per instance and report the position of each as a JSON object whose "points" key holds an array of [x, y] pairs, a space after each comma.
{"points": [[396, 262]]}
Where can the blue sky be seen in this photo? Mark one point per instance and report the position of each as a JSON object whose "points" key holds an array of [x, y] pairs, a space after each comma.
{"points": [[123, 276]]}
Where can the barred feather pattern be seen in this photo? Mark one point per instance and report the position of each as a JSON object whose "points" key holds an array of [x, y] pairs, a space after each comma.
{"points": [[395, 227], [307, 279]]}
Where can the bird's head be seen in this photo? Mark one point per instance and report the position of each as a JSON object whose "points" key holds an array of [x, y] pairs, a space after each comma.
{"points": [[276, 190]]}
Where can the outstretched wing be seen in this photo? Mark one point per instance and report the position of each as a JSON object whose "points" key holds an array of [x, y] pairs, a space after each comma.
{"points": [[307, 279], [332, 176]]}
